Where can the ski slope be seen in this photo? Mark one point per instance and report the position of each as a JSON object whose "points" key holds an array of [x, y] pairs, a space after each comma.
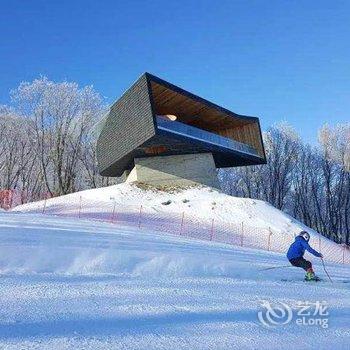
{"points": [[199, 201], [76, 284], [205, 214]]}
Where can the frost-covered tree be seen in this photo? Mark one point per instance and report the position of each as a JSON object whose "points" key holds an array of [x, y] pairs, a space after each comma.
{"points": [[19, 168], [310, 183], [270, 182], [335, 148], [46, 144], [282, 147], [61, 116]]}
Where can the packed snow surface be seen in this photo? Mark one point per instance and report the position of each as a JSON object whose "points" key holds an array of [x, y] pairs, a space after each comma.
{"points": [[75, 284], [205, 213], [199, 201]]}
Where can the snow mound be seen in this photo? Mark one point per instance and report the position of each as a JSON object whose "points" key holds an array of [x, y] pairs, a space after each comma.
{"points": [[197, 212], [195, 201]]}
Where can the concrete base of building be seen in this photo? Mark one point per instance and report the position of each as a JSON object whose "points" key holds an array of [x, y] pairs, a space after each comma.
{"points": [[180, 170]]}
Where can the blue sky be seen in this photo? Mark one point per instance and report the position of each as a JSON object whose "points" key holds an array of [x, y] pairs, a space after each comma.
{"points": [[279, 60]]}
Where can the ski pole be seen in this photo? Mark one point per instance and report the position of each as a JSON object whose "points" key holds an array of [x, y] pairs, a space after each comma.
{"points": [[324, 268], [275, 267]]}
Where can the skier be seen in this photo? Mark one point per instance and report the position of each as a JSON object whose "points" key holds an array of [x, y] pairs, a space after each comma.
{"points": [[296, 252]]}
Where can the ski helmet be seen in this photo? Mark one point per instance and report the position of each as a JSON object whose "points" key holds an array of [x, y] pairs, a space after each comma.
{"points": [[305, 235]]}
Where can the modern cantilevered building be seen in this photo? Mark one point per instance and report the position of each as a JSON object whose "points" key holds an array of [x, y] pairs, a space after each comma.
{"points": [[166, 135]]}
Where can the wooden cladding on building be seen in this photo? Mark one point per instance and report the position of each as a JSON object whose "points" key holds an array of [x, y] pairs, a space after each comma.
{"points": [[131, 129], [190, 110], [248, 134], [207, 116]]}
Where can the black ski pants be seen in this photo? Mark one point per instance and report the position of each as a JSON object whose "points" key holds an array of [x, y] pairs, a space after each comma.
{"points": [[301, 262]]}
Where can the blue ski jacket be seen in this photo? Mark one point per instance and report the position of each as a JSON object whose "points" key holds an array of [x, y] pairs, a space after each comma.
{"points": [[298, 247]]}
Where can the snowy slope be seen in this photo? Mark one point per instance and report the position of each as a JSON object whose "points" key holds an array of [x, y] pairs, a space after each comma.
{"points": [[200, 201], [76, 284], [165, 209]]}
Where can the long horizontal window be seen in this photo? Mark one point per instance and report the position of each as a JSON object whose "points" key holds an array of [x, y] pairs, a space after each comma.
{"points": [[203, 135]]}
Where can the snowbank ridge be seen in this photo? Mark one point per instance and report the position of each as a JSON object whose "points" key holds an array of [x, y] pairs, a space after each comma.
{"points": [[198, 212]]}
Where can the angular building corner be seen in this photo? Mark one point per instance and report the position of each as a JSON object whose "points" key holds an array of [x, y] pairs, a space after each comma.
{"points": [[165, 135]]}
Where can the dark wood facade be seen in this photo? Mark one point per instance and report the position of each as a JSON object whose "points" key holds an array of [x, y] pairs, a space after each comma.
{"points": [[131, 130]]}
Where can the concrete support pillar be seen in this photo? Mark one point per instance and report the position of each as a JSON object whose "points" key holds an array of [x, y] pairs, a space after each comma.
{"points": [[180, 170]]}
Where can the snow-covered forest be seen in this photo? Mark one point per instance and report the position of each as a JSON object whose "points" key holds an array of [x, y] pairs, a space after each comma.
{"points": [[311, 183], [46, 143], [47, 148]]}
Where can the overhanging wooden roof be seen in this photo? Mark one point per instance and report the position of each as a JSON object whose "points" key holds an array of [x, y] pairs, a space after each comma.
{"points": [[131, 129], [192, 109]]}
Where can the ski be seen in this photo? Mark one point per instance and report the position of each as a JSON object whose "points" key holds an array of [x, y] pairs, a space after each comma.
{"points": [[291, 280], [319, 280], [314, 280]]}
